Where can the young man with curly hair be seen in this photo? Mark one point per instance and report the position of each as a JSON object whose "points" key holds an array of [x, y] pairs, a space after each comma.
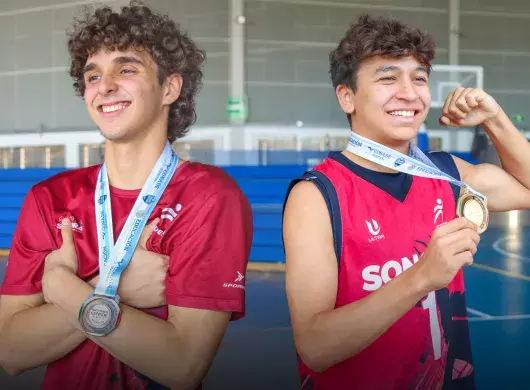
{"points": [[125, 275], [376, 237]]}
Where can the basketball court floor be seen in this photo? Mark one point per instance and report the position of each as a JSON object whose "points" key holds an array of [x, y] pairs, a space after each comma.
{"points": [[258, 351]]}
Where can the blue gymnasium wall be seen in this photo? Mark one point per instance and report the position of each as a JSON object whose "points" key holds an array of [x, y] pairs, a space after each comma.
{"points": [[264, 186]]}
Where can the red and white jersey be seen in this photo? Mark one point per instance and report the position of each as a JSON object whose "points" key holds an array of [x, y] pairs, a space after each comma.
{"points": [[205, 229], [382, 224]]}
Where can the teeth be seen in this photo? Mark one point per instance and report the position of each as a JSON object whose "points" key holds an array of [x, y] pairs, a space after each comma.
{"points": [[113, 108], [402, 113]]}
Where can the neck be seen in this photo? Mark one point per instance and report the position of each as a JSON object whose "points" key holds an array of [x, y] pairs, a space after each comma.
{"points": [[401, 147], [130, 163]]}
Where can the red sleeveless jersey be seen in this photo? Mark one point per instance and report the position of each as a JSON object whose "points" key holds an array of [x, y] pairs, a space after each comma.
{"points": [[380, 232]]}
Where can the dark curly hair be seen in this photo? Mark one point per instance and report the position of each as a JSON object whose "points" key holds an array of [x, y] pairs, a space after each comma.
{"points": [[371, 37], [138, 28]]}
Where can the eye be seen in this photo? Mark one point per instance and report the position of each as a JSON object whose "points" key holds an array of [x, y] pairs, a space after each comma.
{"points": [[388, 78], [92, 78], [127, 71]]}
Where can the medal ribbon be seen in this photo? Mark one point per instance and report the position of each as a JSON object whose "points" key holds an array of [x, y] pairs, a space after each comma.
{"points": [[416, 163], [114, 258]]}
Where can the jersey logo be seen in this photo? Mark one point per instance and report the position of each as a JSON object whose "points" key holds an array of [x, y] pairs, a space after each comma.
{"points": [[237, 282], [170, 213], [438, 211], [76, 226], [374, 276], [374, 229]]}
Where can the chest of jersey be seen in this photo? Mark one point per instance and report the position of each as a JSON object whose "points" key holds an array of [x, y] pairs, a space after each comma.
{"points": [[383, 236], [85, 231]]}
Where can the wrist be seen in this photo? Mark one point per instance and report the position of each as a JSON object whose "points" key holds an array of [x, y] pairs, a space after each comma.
{"points": [[54, 263], [496, 121], [54, 275], [419, 281]]}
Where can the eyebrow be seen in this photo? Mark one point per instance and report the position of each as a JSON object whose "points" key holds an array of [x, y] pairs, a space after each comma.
{"points": [[118, 60], [390, 68]]}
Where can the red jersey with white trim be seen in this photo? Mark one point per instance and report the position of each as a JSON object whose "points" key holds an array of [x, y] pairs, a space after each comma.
{"points": [[205, 229], [386, 221]]}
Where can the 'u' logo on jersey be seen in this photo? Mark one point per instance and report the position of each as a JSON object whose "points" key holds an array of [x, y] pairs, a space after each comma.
{"points": [[374, 230], [373, 227]]}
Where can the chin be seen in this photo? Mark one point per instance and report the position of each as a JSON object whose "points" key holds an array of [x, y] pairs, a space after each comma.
{"points": [[405, 133], [115, 134]]}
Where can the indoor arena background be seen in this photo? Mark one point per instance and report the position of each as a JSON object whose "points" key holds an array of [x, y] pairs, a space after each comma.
{"points": [[266, 113]]}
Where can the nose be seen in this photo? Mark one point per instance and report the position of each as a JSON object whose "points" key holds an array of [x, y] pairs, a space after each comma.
{"points": [[407, 90], [107, 85]]}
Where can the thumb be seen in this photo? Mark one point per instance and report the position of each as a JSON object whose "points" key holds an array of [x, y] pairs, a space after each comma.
{"points": [[148, 230], [66, 233]]}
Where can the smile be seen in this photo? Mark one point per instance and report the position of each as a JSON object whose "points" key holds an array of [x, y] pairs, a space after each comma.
{"points": [[406, 114], [108, 108]]}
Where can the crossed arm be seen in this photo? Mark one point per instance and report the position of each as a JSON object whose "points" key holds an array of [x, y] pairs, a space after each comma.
{"points": [[176, 353]]}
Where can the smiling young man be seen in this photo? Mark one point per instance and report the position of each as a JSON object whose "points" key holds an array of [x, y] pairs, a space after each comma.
{"points": [[66, 299], [374, 245]]}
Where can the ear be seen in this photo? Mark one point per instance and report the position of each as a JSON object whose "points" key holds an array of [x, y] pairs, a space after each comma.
{"points": [[345, 97], [172, 88]]}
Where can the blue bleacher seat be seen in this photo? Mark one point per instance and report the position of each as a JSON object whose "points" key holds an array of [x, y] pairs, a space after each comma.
{"points": [[264, 186]]}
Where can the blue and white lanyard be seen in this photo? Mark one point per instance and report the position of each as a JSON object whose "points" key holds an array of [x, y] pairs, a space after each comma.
{"points": [[114, 258], [416, 163]]}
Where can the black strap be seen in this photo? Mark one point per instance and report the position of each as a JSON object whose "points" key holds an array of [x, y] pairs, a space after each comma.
{"points": [[332, 202], [446, 164]]}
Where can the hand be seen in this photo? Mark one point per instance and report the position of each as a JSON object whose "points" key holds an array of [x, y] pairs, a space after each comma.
{"points": [[451, 247], [468, 107], [65, 257], [143, 284]]}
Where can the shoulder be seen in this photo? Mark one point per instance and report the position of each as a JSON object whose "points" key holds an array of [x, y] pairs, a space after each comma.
{"points": [[206, 178], [445, 162], [304, 201], [69, 178], [66, 182], [201, 186]]}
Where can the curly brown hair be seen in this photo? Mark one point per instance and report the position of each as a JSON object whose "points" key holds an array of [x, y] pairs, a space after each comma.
{"points": [[137, 27], [371, 37]]}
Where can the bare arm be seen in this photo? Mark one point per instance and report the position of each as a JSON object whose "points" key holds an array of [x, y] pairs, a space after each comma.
{"points": [[506, 188], [175, 353], [325, 336], [33, 333]]}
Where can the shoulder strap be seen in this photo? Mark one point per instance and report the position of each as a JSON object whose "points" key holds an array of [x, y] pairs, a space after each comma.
{"points": [[444, 161], [332, 202]]}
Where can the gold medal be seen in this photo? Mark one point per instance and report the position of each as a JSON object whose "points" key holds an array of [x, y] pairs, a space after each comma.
{"points": [[474, 208]]}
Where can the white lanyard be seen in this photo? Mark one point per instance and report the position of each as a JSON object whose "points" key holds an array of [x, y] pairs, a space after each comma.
{"points": [[416, 163], [114, 258]]}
